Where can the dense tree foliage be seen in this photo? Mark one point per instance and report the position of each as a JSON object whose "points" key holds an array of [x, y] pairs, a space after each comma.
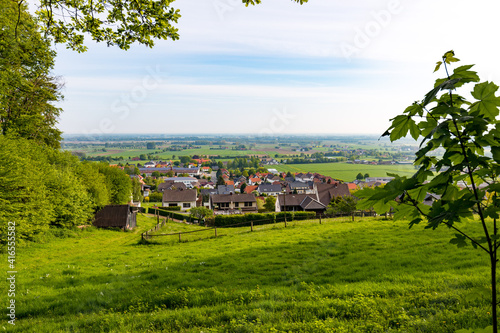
{"points": [[269, 204], [342, 205], [59, 191], [27, 89]]}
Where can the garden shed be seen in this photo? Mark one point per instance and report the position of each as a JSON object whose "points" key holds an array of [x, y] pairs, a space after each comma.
{"points": [[116, 216]]}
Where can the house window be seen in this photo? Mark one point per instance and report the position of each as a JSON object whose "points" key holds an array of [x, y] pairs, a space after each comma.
{"points": [[186, 205], [236, 204], [248, 204], [172, 205]]}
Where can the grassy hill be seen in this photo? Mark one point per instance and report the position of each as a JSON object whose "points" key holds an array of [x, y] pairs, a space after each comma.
{"points": [[338, 276]]}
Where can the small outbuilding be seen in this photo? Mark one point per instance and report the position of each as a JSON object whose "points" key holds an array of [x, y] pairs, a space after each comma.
{"points": [[116, 216]]}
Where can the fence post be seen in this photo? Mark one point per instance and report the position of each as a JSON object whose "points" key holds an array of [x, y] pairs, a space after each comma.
{"points": [[215, 228], [319, 218], [251, 226]]}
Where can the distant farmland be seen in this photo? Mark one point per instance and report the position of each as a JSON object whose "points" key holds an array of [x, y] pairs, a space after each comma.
{"points": [[347, 172]]}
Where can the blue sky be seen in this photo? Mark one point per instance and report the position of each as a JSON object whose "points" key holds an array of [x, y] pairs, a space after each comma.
{"points": [[329, 67]]}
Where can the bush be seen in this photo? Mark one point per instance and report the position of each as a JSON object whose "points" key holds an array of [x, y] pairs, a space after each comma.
{"points": [[257, 218]]}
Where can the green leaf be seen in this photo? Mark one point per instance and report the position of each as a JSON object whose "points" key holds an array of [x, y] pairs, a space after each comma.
{"points": [[449, 57], [400, 127], [406, 212], [488, 102], [459, 240], [465, 75], [414, 109], [438, 65], [495, 151]]}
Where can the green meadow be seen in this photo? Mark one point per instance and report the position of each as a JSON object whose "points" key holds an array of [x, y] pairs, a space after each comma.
{"points": [[371, 275], [347, 172]]}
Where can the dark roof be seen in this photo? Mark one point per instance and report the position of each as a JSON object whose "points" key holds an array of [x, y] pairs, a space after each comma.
{"points": [[169, 184], [265, 188], [293, 199], [185, 170], [326, 192], [208, 191], [225, 189], [243, 197], [150, 170], [311, 204], [179, 195], [295, 185], [113, 216]]}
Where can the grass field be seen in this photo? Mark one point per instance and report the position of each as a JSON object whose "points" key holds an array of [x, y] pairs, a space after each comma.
{"points": [[347, 172], [364, 276]]}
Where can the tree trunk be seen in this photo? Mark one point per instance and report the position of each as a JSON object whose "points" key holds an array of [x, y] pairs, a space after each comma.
{"points": [[493, 260]]}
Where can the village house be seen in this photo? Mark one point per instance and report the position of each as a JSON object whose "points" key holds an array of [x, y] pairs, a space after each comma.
{"points": [[254, 181], [186, 199], [299, 188], [326, 192], [269, 189], [188, 181], [233, 203], [298, 203], [192, 172]]}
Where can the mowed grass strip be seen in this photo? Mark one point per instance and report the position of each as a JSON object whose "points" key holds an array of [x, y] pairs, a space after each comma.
{"points": [[365, 276]]}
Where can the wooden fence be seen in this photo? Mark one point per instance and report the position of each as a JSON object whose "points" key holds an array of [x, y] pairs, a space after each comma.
{"points": [[148, 234]]}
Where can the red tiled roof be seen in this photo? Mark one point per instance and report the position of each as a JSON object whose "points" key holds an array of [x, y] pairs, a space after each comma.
{"points": [[352, 186], [250, 188]]}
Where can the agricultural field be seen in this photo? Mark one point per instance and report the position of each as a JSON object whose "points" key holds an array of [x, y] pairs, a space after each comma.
{"points": [[347, 172], [371, 275]]}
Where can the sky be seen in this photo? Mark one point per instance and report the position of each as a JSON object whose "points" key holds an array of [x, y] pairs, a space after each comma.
{"points": [[325, 67]]}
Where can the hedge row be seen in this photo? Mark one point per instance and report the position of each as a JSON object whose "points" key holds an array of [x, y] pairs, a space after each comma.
{"points": [[171, 208], [258, 219], [171, 214]]}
